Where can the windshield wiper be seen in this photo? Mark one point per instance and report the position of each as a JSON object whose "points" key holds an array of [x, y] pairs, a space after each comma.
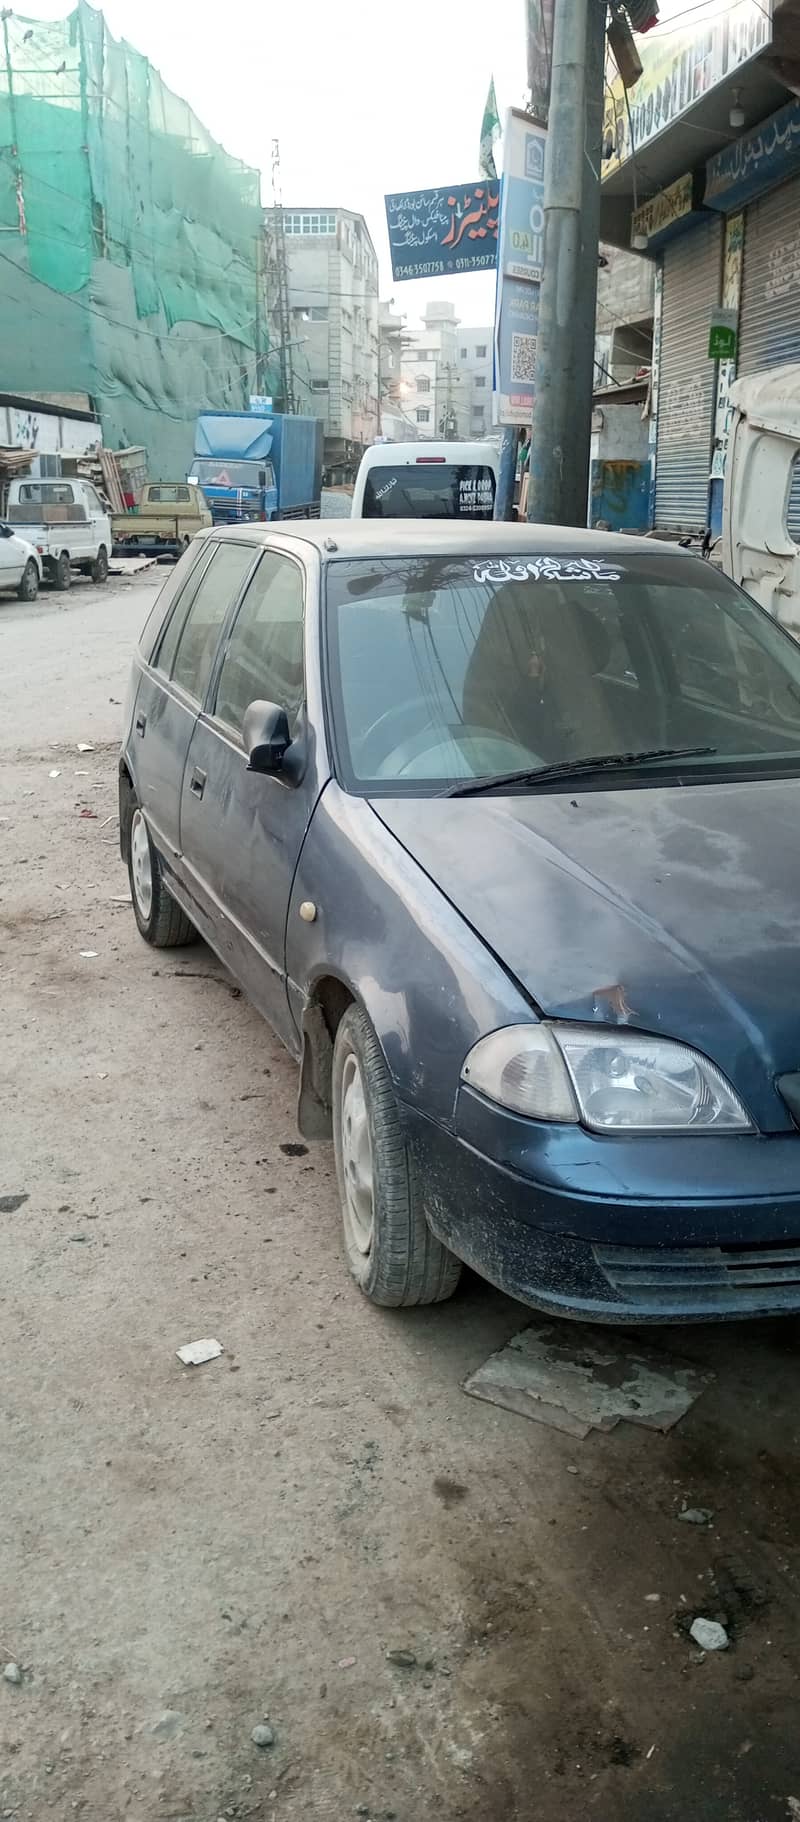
{"points": [[574, 768]]}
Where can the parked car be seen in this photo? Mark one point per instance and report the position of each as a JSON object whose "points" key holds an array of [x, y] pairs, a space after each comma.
{"points": [[20, 565], [167, 515], [67, 522], [497, 826], [426, 481]]}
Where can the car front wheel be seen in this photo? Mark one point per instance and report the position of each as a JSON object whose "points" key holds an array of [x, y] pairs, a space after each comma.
{"points": [[391, 1252], [29, 582], [99, 568], [161, 921]]}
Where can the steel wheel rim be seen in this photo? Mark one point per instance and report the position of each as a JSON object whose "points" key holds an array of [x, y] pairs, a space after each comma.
{"points": [[356, 1154], [141, 864]]}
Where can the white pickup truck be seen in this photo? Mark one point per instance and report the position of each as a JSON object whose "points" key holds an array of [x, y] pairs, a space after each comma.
{"points": [[66, 522]]}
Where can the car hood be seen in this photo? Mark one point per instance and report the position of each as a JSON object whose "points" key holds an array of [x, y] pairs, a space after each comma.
{"points": [[674, 910]]}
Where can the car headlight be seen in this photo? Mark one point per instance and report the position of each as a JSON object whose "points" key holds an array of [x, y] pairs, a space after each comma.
{"points": [[608, 1080]]}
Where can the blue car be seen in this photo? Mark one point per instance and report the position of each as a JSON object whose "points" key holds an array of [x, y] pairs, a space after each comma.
{"points": [[498, 828]]}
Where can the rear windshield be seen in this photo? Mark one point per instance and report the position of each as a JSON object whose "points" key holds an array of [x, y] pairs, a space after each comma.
{"points": [[46, 493], [430, 490]]}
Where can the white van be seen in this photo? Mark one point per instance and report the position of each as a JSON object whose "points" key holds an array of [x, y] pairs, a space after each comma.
{"points": [[67, 523], [426, 481]]}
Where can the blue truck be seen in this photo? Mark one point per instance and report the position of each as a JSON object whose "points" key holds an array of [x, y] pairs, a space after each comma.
{"points": [[258, 465]]}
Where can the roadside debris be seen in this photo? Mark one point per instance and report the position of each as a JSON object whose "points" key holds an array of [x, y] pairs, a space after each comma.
{"points": [[122, 898], [85, 746], [696, 1515], [263, 1736], [196, 1353], [405, 1660], [88, 955], [12, 1673], [568, 1378], [793, 1808], [346, 1663], [168, 1725], [87, 814], [709, 1635], [55, 773]]}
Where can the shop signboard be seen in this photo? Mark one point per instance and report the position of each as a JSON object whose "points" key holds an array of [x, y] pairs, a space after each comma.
{"points": [[439, 233]]}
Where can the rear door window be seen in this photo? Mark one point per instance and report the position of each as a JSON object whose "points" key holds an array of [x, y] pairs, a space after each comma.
{"points": [[430, 489]]}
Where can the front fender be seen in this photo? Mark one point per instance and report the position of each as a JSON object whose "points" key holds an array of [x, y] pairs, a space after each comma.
{"points": [[395, 942]]}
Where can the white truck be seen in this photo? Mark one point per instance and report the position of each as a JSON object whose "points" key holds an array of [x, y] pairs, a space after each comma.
{"points": [[760, 467], [66, 522]]}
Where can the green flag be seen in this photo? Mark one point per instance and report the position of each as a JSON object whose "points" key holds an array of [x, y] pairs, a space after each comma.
{"points": [[490, 133]]}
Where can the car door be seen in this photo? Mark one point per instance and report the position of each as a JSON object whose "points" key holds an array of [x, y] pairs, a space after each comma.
{"points": [[172, 685], [242, 832], [12, 559]]}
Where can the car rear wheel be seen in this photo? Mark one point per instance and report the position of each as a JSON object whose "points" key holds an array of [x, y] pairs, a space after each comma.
{"points": [[62, 574], [391, 1252], [29, 582], [161, 921], [99, 568]]}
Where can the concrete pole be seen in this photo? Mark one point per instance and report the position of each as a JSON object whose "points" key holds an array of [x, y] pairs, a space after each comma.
{"points": [[562, 415]]}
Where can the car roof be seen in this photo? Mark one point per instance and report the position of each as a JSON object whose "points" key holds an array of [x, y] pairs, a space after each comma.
{"points": [[385, 455], [338, 539]]}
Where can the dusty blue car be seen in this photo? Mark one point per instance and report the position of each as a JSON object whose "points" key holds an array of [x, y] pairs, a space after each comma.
{"points": [[498, 828]]}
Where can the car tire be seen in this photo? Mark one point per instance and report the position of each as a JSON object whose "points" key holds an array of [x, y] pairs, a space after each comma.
{"points": [[160, 920], [99, 569], [62, 573], [28, 587], [395, 1259]]}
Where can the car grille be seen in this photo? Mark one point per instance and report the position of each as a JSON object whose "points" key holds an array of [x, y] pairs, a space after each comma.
{"points": [[714, 1277]]}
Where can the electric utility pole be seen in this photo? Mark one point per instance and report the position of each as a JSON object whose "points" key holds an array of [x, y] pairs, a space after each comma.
{"points": [[562, 418]]}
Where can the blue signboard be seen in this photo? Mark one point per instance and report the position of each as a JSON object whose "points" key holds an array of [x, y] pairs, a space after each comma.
{"points": [[756, 161], [522, 213], [519, 269], [436, 233], [517, 343]]}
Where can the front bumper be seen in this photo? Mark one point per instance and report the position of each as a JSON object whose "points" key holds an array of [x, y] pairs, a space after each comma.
{"points": [[615, 1229]]}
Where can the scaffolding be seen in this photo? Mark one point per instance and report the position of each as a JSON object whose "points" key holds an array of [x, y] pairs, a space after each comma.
{"points": [[131, 245]]}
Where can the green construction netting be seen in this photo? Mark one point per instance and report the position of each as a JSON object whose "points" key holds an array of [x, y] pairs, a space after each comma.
{"points": [[131, 262]]}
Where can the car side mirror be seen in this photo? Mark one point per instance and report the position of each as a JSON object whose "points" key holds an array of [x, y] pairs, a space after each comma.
{"points": [[265, 731], [6, 532]]}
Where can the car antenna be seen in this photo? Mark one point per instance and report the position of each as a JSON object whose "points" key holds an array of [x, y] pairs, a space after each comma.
{"points": [[329, 544]]}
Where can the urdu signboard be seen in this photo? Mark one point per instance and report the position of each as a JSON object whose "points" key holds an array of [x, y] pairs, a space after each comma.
{"points": [[438, 233], [681, 62]]}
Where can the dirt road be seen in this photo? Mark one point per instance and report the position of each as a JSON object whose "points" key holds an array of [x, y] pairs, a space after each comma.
{"points": [[185, 1552]]}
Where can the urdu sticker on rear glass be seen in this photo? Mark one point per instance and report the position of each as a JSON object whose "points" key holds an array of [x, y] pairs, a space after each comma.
{"points": [[548, 569]]}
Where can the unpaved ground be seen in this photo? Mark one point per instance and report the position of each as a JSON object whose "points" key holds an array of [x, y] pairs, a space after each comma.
{"points": [[250, 1537]]}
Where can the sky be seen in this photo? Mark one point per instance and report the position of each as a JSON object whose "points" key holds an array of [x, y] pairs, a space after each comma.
{"points": [[364, 98]]}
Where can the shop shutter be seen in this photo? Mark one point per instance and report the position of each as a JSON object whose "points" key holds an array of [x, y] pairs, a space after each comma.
{"points": [[769, 321], [687, 378]]}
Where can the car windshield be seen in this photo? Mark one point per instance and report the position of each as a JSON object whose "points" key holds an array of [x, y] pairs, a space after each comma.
{"points": [[429, 488], [215, 471], [457, 668]]}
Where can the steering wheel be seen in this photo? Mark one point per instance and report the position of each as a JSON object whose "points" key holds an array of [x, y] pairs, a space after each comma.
{"points": [[428, 754], [380, 732]]}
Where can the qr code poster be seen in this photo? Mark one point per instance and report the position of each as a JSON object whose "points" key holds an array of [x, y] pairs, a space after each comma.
{"points": [[516, 348], [523, 358]]}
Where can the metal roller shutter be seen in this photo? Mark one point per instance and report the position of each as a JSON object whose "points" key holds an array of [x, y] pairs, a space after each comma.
{"points": [[769, 321], [687, 378]]}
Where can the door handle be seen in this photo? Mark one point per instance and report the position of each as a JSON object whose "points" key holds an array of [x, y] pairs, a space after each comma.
{"points": [[197, 782], [141, 723]]}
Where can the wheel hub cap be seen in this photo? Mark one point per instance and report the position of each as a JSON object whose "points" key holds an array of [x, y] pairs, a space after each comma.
{"points": [[141, 866], [356, 1157]]}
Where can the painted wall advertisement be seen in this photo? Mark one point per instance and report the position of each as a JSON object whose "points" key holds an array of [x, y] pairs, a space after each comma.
{"points": [[519, 269], [680, 64], [438, 233]]}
